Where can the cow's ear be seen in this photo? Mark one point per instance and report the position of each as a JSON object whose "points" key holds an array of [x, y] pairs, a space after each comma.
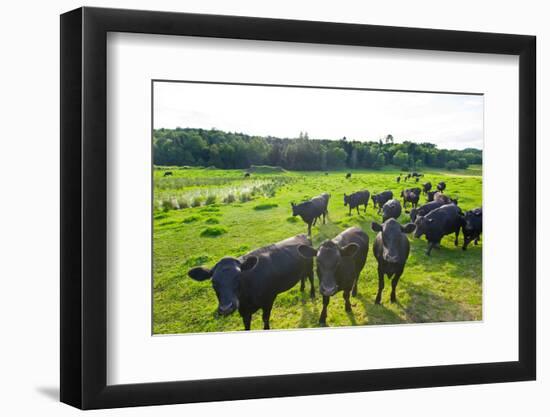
{"points": [[307, 251], [349, 250], [200, 273], [249, 263], [293, 204], [376, 227], [408, 228]]}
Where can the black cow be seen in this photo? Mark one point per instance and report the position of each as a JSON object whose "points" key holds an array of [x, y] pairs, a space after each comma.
{"points": [[253, 281], [407, 177], [247, 174], [430, 195], [416, 174], [438, 223], [339, 264], [311, 210], [168, 174], [348, 175], [391, 209], [357, 199], [441, 186], [427, 186], [326, 173], [411, 195], [398, 179], [425, 209], [378, 200], [417, 179], [472, 226], [442, 198], [391, 250]]}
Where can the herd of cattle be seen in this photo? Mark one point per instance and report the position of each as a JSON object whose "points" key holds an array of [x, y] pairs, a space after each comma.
{"points": [[253, 281]]}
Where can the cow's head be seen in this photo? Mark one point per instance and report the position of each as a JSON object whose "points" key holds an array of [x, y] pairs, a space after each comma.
{"points": [[330, 259], [374, 199], [392, 233], [422, 223], [471, 221], [226, 280], [347, 199]]}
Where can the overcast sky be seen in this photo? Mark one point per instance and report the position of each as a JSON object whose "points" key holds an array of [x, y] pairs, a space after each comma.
{"points": [[449, 120]]}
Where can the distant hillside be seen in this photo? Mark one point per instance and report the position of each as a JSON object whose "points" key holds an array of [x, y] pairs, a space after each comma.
{"points": [[237, 150]]}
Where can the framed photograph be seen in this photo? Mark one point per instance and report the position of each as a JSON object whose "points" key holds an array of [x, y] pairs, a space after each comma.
{"points": [[256, 208]]}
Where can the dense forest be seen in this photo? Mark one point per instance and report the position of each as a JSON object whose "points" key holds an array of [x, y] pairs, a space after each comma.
{"points": [[200, 147]]}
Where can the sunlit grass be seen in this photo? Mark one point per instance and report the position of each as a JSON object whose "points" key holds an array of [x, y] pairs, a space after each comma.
{"points": [[444, 287]]}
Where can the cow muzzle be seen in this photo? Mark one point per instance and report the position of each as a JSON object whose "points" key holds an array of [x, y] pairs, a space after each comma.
{"points": [[227, 309]]}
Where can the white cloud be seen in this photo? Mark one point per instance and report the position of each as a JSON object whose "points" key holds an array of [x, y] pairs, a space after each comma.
{"points": [[451, 121]]}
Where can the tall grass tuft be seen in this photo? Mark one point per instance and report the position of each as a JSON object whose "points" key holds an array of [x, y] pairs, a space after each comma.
{"points": [[196, 202], [213, 231], [211, 199]]}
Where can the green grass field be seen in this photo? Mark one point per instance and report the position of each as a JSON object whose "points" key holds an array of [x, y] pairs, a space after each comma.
{"points": [[202, 215]]}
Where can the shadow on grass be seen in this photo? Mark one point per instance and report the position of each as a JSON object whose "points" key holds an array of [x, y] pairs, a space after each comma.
{"points": [[427, 307], [378, 313], [453, 260]]}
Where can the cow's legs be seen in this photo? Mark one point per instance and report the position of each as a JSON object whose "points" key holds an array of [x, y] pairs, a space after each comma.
{"points": [[346, 299], [323, 317], [394, 282], [247, 318], [466, 243], [309, 229], [366, 206], [380, 284], [430, 247], [349, 214], [266, 314], [354, 289], [457, 231], [357, 207], [325, 214]]}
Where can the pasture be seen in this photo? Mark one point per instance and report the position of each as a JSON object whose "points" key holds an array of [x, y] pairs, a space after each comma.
{"points": [[202, 215]]}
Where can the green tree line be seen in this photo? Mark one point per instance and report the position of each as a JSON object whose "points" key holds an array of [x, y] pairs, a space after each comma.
{"points": [[200, 147]]}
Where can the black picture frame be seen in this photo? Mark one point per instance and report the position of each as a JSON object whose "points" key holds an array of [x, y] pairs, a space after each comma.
{"points": [[84, 207]]}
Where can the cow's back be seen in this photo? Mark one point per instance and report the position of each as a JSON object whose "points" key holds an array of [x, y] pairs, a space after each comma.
{"points": [[279, 268]]}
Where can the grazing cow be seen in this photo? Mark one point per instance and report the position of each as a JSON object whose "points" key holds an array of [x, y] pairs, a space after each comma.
{"points": [[339, 264], [416, 174], [247, 174], [311, 210], [425, 209], [357, 199], [391, 210], [427, 186], [442, 198], [253, 281], [378, 200], [326, 173], [417, 179], [407, 177], [472, 226], [348, 175], [411, 195], [168, 174], [441, 186], [438, 223], [398, 179], [391, 250]]}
